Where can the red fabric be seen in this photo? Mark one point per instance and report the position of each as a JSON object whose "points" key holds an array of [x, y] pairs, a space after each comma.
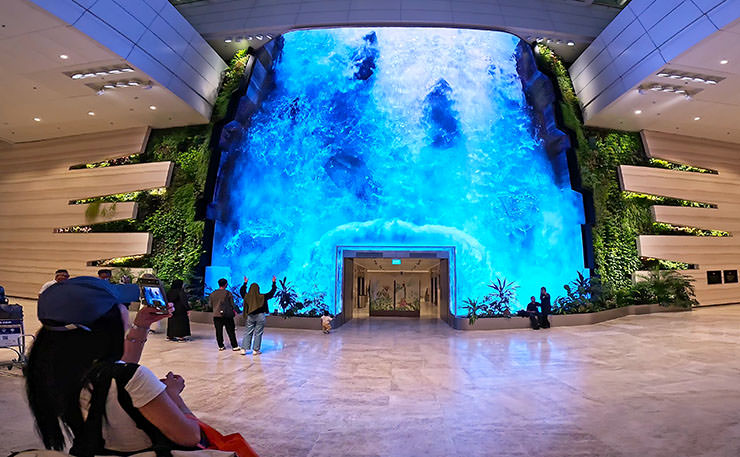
{"points": [[234, 442]]}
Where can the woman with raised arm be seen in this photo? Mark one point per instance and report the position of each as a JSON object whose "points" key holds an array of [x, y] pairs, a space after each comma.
{"points": [[255, 310]]}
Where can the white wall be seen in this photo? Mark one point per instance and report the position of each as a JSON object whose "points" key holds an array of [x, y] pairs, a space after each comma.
{"points": [[153, 36], [645, 36]]}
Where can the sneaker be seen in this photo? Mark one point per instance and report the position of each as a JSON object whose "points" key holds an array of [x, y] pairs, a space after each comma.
{"points": [[246, 351], [222, 349], [256, 352], [238, 348]]}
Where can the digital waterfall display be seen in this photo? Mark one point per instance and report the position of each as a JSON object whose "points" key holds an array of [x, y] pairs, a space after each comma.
{"points": [[397, 137]]}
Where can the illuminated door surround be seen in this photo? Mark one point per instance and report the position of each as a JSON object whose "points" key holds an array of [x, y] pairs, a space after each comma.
{"points": [[345, 253]]}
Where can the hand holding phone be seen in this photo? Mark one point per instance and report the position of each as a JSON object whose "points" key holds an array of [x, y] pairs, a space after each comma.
{"points": [[153, 294]]}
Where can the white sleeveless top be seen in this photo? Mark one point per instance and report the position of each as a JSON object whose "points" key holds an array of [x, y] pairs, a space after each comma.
{"points": [[119, 430]]}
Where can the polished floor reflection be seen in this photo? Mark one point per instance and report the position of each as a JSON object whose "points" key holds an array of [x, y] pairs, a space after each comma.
{"points": [[657, 385]]}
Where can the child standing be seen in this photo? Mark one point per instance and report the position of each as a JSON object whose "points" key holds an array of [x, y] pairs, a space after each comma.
{"points": [[326, 322]]}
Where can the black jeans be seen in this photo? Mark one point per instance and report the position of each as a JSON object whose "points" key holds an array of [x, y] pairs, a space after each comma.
{"points": [[544, 322], [534, 321], [220, 323]]}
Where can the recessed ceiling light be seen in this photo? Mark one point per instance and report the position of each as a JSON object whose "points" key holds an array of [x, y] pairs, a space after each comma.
{"points": [[63, 56], [109, 86], [152, 107], [697, 118], [639, 111], [571, 43], [37, 119], [724, 62], [228, 40], [91, 113]]}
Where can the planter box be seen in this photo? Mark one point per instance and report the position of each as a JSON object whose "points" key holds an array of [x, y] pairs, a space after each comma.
{"points": [[309, 323], [561, 320]]}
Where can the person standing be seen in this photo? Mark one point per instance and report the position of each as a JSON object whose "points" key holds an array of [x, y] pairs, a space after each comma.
{"points": [[545, 308], [255, 308], [60, 275], [222, 303], [105, 274], [178, 326]]}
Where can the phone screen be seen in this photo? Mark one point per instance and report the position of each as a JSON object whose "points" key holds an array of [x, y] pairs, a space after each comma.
{"points": [[153, 297]]}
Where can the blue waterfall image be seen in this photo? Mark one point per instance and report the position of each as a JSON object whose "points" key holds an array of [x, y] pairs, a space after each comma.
{"points": [[395, 137]]}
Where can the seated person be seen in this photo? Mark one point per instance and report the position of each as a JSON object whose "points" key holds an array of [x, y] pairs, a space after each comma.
{"points": [[83, 378], [533, 313]]}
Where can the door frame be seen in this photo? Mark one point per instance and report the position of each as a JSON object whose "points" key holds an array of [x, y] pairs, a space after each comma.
{"points": [[344, 275]]}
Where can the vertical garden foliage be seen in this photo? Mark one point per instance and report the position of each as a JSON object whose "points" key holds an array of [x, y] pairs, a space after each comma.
{"points": [[620, 218], [170, 215]]}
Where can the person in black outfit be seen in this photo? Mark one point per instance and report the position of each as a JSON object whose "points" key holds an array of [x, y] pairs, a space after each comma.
{"points": [[223, 306], [255, 309], [545, 308], [178, 326], [533, 314]]}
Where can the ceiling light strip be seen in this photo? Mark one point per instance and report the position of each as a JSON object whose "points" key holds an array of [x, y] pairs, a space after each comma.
{"points": [[689, 77], [99, 72]]}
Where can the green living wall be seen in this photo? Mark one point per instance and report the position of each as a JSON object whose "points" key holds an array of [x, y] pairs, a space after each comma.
{"points": [[619, 216], [169, 214]]}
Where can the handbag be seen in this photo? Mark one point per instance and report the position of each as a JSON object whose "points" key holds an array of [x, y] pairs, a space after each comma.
{"points": [[234, 442]]}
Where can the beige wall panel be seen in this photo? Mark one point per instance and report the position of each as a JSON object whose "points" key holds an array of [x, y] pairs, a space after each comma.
{"points": [[690, 249], [721, 189], [36, 187], [698, 152], [685, 185], [76, 150], [68, 216], [93, 182], [724, 218]]}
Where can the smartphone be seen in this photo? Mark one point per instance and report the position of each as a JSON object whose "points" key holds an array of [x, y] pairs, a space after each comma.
{"points": [[153, 294]]}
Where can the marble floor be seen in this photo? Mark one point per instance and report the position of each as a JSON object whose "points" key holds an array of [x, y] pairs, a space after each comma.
{"points": [[655, 385]]}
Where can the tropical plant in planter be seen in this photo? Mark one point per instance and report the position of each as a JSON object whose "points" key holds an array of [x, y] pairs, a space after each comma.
{"points": [[580, 296], [315, 302], [474, 309], [639, 293], [286, 295], [499, 301], [671, 288]]}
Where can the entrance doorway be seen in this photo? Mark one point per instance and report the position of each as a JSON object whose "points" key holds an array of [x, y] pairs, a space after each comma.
{"points": [[404, 284]]}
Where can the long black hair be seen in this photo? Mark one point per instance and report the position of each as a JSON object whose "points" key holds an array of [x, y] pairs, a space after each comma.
{"points": [[57, 369]]}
